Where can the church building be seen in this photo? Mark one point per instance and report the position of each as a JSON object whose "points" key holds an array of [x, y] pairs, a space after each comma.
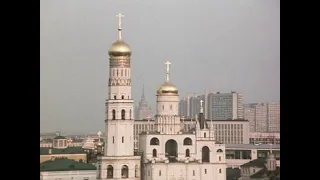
{"points": [[170, 152]]}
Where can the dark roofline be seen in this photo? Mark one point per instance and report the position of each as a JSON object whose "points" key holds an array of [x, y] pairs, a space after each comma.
{"points": [[143, 120], [227, 120]]}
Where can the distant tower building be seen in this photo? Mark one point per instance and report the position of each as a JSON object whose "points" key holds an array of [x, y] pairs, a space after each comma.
{"points": [[263, 117], [274, 117], [189, 106], [119, 161], [249, 113], [222, 106], [143, 111], [183, 107]]}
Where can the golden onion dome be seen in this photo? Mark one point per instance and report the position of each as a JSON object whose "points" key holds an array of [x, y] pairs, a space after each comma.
{"points": [[167, 89], [99, 143], [119, 48]]}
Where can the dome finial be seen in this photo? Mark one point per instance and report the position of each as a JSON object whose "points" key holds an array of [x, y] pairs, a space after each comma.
{"points": [[168, 70], [119, 15]]}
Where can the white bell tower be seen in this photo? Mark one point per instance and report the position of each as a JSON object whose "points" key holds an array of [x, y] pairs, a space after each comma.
{"points": [[119, 161]]}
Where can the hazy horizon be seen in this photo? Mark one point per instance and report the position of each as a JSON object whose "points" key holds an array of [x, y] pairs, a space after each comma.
{"points": [[221, 45]]}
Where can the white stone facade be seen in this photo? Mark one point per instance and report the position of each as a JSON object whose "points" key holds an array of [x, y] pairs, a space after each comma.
{"points": [[172, 153], [119, 161], [64, 175]]}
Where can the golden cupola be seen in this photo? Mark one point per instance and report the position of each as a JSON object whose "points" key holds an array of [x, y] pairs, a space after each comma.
{"points": [[119, 48], [167, 88]]}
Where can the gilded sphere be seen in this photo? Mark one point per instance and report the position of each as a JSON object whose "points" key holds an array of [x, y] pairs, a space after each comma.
{"points": [[167, 89], [119, 48], [100, 143]]}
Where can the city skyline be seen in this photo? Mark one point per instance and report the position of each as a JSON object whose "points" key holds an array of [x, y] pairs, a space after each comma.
{"points": [[74, 59]]}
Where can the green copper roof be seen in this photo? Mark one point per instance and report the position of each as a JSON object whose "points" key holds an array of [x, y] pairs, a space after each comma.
{"points": [[68, 150], [64, 164]]}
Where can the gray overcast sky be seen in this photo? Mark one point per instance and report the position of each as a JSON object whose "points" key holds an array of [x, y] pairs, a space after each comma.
{"points": [[221, 45]]}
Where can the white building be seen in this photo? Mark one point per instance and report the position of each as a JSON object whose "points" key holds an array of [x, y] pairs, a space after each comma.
{"points": [[119, 161], [222, 106], [169, 152], [274, 117], [226, 131], [263, 117]]}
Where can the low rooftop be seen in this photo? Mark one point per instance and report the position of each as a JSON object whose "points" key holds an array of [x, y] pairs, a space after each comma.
{"points": [[68, 150], [64, 164], [253, 146]]}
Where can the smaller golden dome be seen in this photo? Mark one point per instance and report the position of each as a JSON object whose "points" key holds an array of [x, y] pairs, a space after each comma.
{"points": [[167, 89], [99, 143], [119, 48]]}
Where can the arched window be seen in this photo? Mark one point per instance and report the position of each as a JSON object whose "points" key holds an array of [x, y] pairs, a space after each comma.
{"points": [[109, 172], [121, 72], [114, 97], [136, 171], [187, 153], [113, 72], [113, 139], [117, 72], [219, 158], [123, 114], [128, 97], [219, 170], [171, 150], [122, 97], [162, 107], [205, 171], [130, 112], [187, 141], [124, 171], [160, 173], [122, 139], [204, 134], [170, 107], [154, 141], [193, 172], [154, 153], [113, 114], [205, 154], [219, 151]]}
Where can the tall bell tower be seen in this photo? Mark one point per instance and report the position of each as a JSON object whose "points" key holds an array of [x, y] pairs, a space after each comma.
{"points": [[119, 161]]}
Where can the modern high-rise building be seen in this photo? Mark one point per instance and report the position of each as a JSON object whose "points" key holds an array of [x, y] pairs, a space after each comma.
{"points": [[263, 117], [189, 106], [274, 117], [222, 106], [143, 110], [249, 113]]}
